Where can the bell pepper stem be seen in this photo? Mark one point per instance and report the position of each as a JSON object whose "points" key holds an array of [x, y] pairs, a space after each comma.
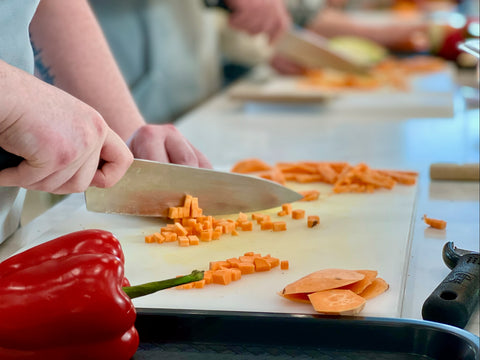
{"points": [[154, 286]]}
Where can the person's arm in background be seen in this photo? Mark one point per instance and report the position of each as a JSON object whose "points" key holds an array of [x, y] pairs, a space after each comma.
{"points": [[72, 47], [60, 138]]}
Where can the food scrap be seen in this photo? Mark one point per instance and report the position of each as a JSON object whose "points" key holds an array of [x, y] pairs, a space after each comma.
{"points": [[341, 175], [336, 291], [435, 223]]}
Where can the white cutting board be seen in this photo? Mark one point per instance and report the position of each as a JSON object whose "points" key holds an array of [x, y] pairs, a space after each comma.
{"points": [[357, 231]]}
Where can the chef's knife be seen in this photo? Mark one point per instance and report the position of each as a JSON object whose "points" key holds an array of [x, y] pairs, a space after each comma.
{"points": [[313, 51], [149, 188]]}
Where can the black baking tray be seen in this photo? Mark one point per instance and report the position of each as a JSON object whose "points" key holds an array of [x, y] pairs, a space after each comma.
{"points": [[194, 335]]}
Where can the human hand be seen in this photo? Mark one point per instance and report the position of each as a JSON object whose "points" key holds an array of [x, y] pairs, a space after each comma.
{"points": [[164, 143], [62, 139], [260, 16], [286, 66]]}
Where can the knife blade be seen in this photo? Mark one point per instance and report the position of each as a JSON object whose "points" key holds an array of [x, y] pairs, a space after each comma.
{"points": [[313, 51], [149, 188]]}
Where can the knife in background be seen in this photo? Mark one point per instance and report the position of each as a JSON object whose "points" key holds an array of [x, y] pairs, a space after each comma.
{"points": [[149, 188], [313, 51]]}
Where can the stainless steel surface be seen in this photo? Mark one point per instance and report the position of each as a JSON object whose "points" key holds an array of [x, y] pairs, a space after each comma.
{"points": [[150, 188]]}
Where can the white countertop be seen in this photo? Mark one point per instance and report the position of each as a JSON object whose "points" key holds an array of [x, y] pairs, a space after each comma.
{"points": [[228, 131]]}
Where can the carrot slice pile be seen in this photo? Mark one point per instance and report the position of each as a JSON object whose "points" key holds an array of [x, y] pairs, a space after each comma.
{"points": [[341, 175], [336, 291], [224, 272], [435, 223]]}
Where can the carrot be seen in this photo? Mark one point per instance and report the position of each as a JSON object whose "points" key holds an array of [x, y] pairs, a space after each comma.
{"points": [[287, 208], [222, 277], [298, 214], [266, 225], [377, 287], [261, 264], [313, 220], [284, 265], [435, 223], [359, 286], [323, 280], [309, 195], [149, 239], [193, 239], [279, 226], [250, 165], [246, 267], [337, 302], [183, 241]]}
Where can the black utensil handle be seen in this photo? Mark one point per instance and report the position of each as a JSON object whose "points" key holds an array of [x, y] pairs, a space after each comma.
{"points": [[455, 299], [8, 159]]}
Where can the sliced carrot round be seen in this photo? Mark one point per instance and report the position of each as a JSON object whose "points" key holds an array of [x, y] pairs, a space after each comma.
{"points": [[337, 302]]}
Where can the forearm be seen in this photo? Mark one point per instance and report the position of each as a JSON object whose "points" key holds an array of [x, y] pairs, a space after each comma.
{"points": [[73, 48]]}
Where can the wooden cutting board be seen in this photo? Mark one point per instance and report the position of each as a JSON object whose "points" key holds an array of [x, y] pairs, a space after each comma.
{"points": [[357, 231]]}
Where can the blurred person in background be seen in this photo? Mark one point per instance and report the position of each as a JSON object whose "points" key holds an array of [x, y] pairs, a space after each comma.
{"points": [[168, 50]]}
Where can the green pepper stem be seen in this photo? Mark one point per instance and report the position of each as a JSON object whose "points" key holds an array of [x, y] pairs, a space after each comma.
{"points": [[151, 287]]}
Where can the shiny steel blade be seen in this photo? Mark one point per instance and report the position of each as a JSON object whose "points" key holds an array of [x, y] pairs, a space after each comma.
{"points": [[149, 188]]}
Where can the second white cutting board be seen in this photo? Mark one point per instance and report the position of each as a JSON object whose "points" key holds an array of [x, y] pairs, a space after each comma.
{"points": [[357, 231]]}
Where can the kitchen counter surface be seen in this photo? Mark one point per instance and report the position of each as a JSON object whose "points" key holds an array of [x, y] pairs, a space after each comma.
{"points": [[227, 131]]}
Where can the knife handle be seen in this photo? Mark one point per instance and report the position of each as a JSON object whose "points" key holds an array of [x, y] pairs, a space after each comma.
{"points": [[455, 299], [8, 159]]}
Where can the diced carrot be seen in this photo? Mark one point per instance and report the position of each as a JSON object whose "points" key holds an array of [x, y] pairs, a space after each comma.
{"points": [[216, 265], [149, 239], [195, 211], [222, 277], [207, 276], [206, 235], [257, 216], [246, 267], [261, 264], [435, 223], [172, 212], [266, 225], [273, 261], [309, 195], [216, 234], [235, 232], [298, 214], [180, 230], [236, 274], [249, 253], [337, 302], [313, 220], [170, 236], [193, 239], [377, 287], [233, 262], [246, 259], [247, 226], [282, 213], [279, 226], [287, 208], [187, 206], [183, 241], [284, 265], [242, 217]]}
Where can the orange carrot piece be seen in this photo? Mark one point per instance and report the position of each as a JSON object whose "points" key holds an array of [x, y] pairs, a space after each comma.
{"points": [[282, 213], [261, 264], [217, 265], [172, 212], [149, 239], [273, 261], [435, 223], [180, 230], [298, 214], [250, 165], [222, 277], [200, 284], [309, 195], [266, 225], [170, 236], [287, 208], [183, 241], [325, 279], [236, 274], [279, 226], [193, 239], [246, 259], [233, 262], [359, 286], [377, 287], [337, 302], [216, 234], [207, 276], [284, 265], [313, 220], [246, 267], [206, 235], [249, 253], [247, 226], [187, 205]]}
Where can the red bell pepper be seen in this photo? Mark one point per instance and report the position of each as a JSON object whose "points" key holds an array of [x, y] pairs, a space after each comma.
{"points": [[65, 299]]}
